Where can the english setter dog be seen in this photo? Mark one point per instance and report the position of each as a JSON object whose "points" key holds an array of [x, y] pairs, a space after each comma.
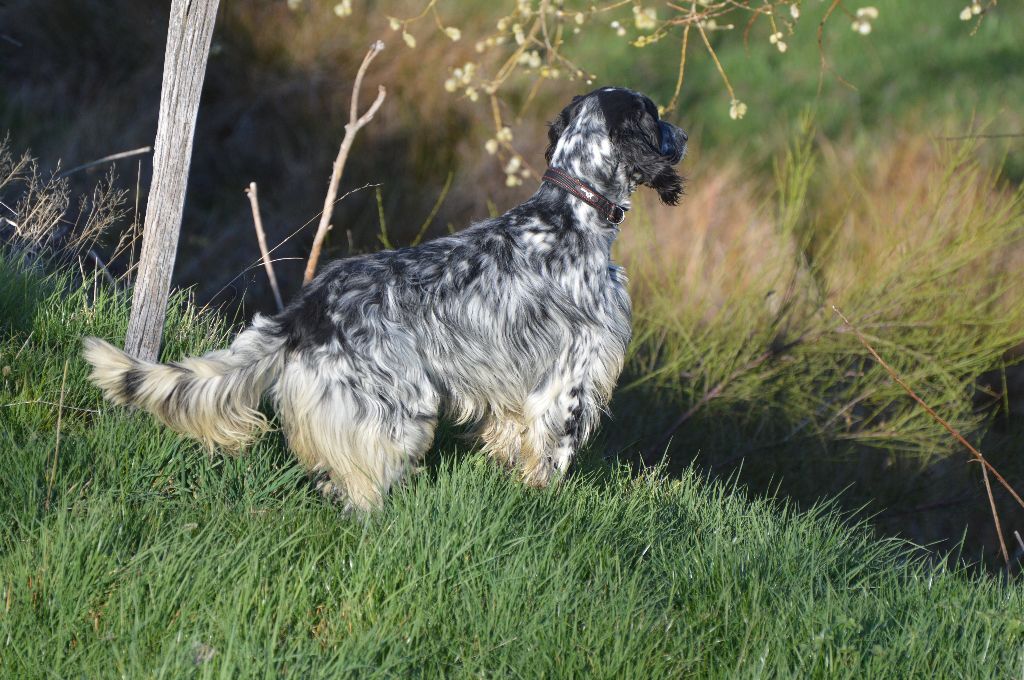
{"points": [[519, 324]]}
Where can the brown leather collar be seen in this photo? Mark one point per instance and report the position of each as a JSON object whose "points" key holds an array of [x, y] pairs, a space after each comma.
{"points": [[611, 211]]}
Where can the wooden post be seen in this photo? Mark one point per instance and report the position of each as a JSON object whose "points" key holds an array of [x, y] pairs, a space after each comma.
{"points": [[188, 46]]}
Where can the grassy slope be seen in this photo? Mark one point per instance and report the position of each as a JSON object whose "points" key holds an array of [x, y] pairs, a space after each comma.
{"points": [[131, 552]]}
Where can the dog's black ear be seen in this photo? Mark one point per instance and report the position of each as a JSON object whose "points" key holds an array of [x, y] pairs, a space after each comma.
{"points": [[654, 170], [669, 186], [558, 125]]}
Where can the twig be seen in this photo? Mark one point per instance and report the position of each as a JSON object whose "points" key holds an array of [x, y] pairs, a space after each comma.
{"points": [[718, 64], [355, 123], [682, 70], [995, 516], [823, 65], [56, 446], [986, 466], [433, 210], [261, 238], [382, 224], [257, 261], [106, 159], [102, 267]]}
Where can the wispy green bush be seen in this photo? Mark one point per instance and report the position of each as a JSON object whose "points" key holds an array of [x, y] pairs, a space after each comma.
{"points": [[919, 245]]}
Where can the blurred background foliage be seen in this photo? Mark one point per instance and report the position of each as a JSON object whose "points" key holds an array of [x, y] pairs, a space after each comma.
{"points": [[888, 184], [80, 80]]}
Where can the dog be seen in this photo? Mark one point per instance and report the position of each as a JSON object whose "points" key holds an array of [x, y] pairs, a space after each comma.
{"points": [[518, 324]]}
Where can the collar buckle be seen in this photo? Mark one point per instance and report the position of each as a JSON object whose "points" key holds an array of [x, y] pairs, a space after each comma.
{"points": [[617, 211]]}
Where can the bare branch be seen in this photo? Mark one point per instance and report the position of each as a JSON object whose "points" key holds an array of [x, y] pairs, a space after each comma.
{"points": [[289, 237], [995, 517], [261, 238], [986, 466], [355, 123]]}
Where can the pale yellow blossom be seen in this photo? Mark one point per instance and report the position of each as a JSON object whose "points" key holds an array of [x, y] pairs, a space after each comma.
{"points": [[343, 8], [861, 26], [645, 18], [737, 109]]}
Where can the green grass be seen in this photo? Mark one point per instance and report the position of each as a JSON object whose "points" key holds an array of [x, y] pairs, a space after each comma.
{"points": [[131, 552]]}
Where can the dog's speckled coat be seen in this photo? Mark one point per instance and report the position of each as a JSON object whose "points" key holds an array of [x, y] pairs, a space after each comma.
{"points": [[518, 324]]}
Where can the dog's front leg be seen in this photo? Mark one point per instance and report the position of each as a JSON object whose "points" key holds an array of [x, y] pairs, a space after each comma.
{"points": [[559, 416]]}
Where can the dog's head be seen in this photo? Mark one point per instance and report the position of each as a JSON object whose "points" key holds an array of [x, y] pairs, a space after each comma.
{"points": [[645, 146]]}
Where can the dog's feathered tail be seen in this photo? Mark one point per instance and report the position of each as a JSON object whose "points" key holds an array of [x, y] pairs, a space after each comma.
{"points": [[213, 398]]}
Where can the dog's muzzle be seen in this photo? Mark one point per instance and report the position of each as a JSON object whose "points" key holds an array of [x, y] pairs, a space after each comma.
{"points": [[673, 142]]}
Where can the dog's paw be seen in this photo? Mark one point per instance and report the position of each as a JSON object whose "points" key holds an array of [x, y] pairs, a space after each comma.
{"points": [[326, 487], [540, 473], [503, 458]]}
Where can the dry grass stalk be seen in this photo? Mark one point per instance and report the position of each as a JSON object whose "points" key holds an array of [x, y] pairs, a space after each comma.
{"points": [[433, 211], [355, 123], [107, 159], [995, 516], [56, 446], [986, 466], [261, 238]]}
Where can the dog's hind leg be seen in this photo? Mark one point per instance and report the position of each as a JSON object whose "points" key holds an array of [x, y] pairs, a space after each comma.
{"points": [[502, 437], [363, 443]]}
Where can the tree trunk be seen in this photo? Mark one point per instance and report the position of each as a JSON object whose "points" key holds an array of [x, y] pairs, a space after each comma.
{"points": [[188, 45]]}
